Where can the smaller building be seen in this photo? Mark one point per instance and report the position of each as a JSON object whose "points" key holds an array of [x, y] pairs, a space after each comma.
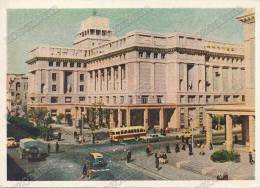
{"points": [[17, 89]]}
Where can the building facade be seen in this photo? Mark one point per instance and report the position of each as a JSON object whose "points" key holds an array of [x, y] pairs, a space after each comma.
{"points": [[246, 112], [17, 86], [143, 78]]}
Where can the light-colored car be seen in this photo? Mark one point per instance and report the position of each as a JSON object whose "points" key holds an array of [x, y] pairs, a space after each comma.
{"points": [[97, 159], [11, 142], [184, 133], [150, 138]]}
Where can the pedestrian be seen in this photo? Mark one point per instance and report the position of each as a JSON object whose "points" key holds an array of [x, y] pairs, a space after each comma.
{"points": [[154, 131], [187, 140], [251, 160], [156, 161], [161, 130], [190, 149], [75, 134], [177, 147], [183, 146], [168, 148], [210, 146], [182, 138], [59, 135], [148, 150], [128, 156], [84, 171], [49, 148], [57, 147]]}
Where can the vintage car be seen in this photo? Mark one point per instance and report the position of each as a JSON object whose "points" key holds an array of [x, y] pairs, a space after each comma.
{"points": [[185, 133], [11, 142], [97, 159], [33, 149], [151, 138]]}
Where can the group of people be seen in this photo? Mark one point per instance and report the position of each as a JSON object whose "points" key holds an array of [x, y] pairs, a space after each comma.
{"points": [[183, 147], [57, 147]]}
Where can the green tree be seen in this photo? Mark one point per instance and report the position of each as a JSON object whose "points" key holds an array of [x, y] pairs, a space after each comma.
{"points": [[59, 118], [37, 115]]}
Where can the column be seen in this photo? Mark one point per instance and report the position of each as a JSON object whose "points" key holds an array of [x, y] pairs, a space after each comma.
{"points": [[244, 127], [208, 126], [105, 79], [75, 80], [47, 77], [146, 119], [161, 119], [126, 77], [251, 122], [99, 81], [119, 77], [119, 116], [111, 119], [229, 136], [185, 77], [61, 82], [128, 117], [112, 79]]}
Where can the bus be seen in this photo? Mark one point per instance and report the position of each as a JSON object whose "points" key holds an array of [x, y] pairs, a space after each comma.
{"points": [[126, 133]]}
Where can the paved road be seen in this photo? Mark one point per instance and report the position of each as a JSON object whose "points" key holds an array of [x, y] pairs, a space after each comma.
{"points": [[67, 164]]}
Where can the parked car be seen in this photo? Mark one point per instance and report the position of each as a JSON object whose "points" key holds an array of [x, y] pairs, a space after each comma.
{"points": [[185, 133], [150, 138], [97, 159], [11, 142], [33, 149]]}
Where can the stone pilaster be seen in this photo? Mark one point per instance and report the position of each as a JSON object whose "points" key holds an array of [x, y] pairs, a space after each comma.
{"points": [[128, 117], [61, 82], [229, 134], [251, 121], [161, 118], [111, 119], [119, 116], [146, 119]]}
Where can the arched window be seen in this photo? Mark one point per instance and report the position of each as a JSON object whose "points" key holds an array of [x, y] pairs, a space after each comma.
{"points": [[18, 86]]}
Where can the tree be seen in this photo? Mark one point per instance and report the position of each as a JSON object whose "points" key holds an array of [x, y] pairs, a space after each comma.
{"points": [[59, 117], [37, 115]]}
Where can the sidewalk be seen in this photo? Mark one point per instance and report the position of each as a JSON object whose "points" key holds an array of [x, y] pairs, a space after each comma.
{"points": [[181, 166]]}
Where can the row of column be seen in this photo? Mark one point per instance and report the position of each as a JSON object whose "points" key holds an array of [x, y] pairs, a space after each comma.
{"points": [[100, 80], [229, 133]]}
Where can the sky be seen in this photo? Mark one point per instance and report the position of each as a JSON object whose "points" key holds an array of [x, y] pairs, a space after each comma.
{"points": [[28, 28]]}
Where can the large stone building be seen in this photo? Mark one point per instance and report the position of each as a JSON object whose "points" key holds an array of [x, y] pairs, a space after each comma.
{"points": [[142, 78], [17, 85], [246, 111]]}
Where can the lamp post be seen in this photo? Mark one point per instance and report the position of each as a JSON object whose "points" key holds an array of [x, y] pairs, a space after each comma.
{"points": [[192, 131]]}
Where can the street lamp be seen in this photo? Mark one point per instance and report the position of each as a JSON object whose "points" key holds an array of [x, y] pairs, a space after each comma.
{"points": [[192, 131]]}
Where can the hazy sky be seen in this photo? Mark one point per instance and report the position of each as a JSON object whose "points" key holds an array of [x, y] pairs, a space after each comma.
{"points": [[28, 28]]}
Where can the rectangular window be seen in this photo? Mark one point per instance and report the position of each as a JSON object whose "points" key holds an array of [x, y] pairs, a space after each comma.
{"points": [[148, 54], [114, 99], [140, 54], [107, 99], [71, 64], [67, 99], [155, 55], [53, 87], [85, 65], [57, 64], [122, 99], [81, 88], [162, 56], [243, 98], [81, 99], [78, 64], [54, 99], [144, 99], [65, 64], [50, 64], [130, 99], [81, 77], [159, 99], [53, 76]]}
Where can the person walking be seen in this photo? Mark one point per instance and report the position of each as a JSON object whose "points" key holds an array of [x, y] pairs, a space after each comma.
{"points": [[182, 138], [156, 161], [251, 160], [190, 149], [168, 148], [128, 156], [177, 148], [57, 147], [183, 146], [49, 148], [84, 171], [210, 146], [187, 140]]}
